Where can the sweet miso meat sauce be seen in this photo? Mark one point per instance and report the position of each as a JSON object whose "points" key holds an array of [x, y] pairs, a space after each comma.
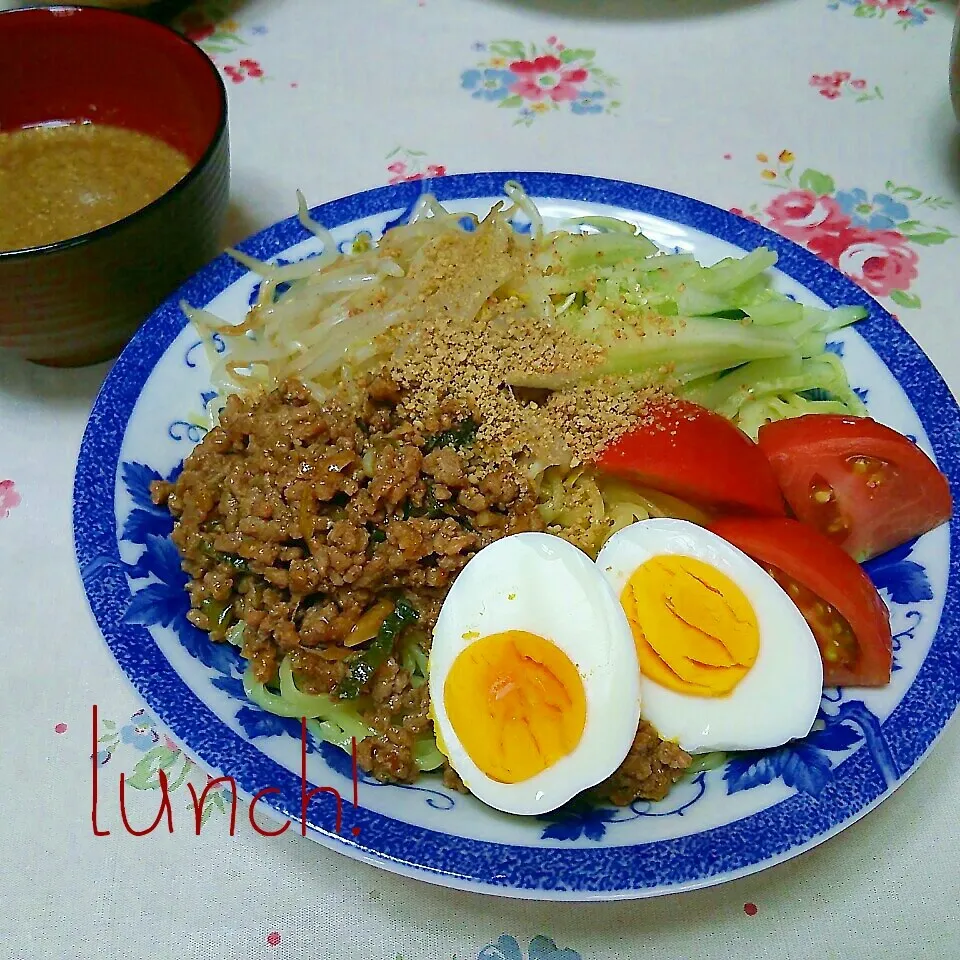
{"points": [[58, 182]]}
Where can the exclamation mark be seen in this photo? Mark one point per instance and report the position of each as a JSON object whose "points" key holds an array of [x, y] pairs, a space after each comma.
{"points": [[356, 781]]}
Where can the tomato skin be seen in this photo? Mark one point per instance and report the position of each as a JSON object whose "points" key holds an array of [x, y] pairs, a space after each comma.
{"points": [[690, 452], [819, 565], [867, 487]]}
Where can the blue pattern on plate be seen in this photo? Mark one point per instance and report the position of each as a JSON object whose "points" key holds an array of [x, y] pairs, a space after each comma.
{"points": [[805, 764], [823, 801], [901, 579], [581, 819]]}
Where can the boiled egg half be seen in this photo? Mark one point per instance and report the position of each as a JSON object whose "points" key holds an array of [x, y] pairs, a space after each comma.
{"points": [[727, 661], [534, 677]]}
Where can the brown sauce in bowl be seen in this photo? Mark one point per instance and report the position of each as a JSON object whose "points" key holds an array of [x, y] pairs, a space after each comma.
{"points": [[58, 182]]}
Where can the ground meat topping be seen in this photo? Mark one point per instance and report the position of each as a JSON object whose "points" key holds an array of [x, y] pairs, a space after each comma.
{"points": [[651, 768], [298, 518]]}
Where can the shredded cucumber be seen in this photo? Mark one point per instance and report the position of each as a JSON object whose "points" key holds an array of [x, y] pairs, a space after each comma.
{"points": [[427, 755], [328, 718], [721, 335], [705, 761]]}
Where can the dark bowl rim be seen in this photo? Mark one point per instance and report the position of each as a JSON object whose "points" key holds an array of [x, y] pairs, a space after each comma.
{"points": [[220, 131]]}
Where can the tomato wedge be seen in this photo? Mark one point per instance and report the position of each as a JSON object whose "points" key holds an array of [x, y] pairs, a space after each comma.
{"points": [[831, 590], [690, 452], [864, 485]]}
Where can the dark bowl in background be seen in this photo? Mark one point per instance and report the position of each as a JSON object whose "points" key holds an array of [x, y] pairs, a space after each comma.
{"points": [[80, 300], [955, 68]]}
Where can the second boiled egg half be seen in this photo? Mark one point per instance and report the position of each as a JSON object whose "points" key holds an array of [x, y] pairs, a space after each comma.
{"points": [[727, 661]]}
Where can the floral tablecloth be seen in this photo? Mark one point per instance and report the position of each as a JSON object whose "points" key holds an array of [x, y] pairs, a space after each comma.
{"points": [[828, 120]]}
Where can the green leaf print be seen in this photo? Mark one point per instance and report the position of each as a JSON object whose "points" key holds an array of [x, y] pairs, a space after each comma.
{"points": [[865, 11], [513, 49], [603, 76], [936, 203], [214, 802], [108, 725], [820, 183], [906, 193], [188, 765], [514, 101], [932, 238], [568, 56], [144, 776], [909, 300]]}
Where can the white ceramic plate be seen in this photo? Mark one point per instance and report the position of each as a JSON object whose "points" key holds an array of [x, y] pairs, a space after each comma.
{"points": [[757, 810]]}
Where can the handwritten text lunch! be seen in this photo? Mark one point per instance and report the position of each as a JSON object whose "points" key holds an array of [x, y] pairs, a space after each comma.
{"points": [[165, 812]]}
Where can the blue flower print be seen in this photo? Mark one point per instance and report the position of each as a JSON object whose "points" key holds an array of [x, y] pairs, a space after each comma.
{"points": [[139, 733], [881, 212], [487, 84], [912, 16], [164, 601], [103, 757], [588, 102], [578, 819], [541, 948], [903, 580], [146, 519]]}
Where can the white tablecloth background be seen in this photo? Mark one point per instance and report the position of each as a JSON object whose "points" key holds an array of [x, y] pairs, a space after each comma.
{"points": [[322, 95]]}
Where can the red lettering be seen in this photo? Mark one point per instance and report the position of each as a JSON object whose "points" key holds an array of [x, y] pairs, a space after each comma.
{"points": [[164, 807], [305, 794], [97, 832], [253, 822], [198, 802]]}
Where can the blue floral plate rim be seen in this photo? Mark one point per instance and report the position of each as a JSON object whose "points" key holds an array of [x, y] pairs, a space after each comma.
{"points": [[755, 842]]}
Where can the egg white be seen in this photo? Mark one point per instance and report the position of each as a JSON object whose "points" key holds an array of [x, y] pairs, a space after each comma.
{"points": [[544, 585], [778, 698]]}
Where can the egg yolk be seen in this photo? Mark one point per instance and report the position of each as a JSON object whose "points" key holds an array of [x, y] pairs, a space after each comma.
{"points": [[694, 629], [517, 704]]}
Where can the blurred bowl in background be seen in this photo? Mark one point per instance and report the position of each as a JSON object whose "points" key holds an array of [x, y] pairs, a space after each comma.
{"points": [[78, 300]]}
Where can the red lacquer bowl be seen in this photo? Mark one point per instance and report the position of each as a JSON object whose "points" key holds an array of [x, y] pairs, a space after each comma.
{"points": [[79, 300]]}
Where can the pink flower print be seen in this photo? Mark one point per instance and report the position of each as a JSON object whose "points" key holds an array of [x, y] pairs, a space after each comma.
{"points": [[9, 498], [402, 174], [832, 85], [884, 4], [399, 170], [746, 216], [830, 81], [801, 215], [244, 69], [880, 261], [545, 77]]}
